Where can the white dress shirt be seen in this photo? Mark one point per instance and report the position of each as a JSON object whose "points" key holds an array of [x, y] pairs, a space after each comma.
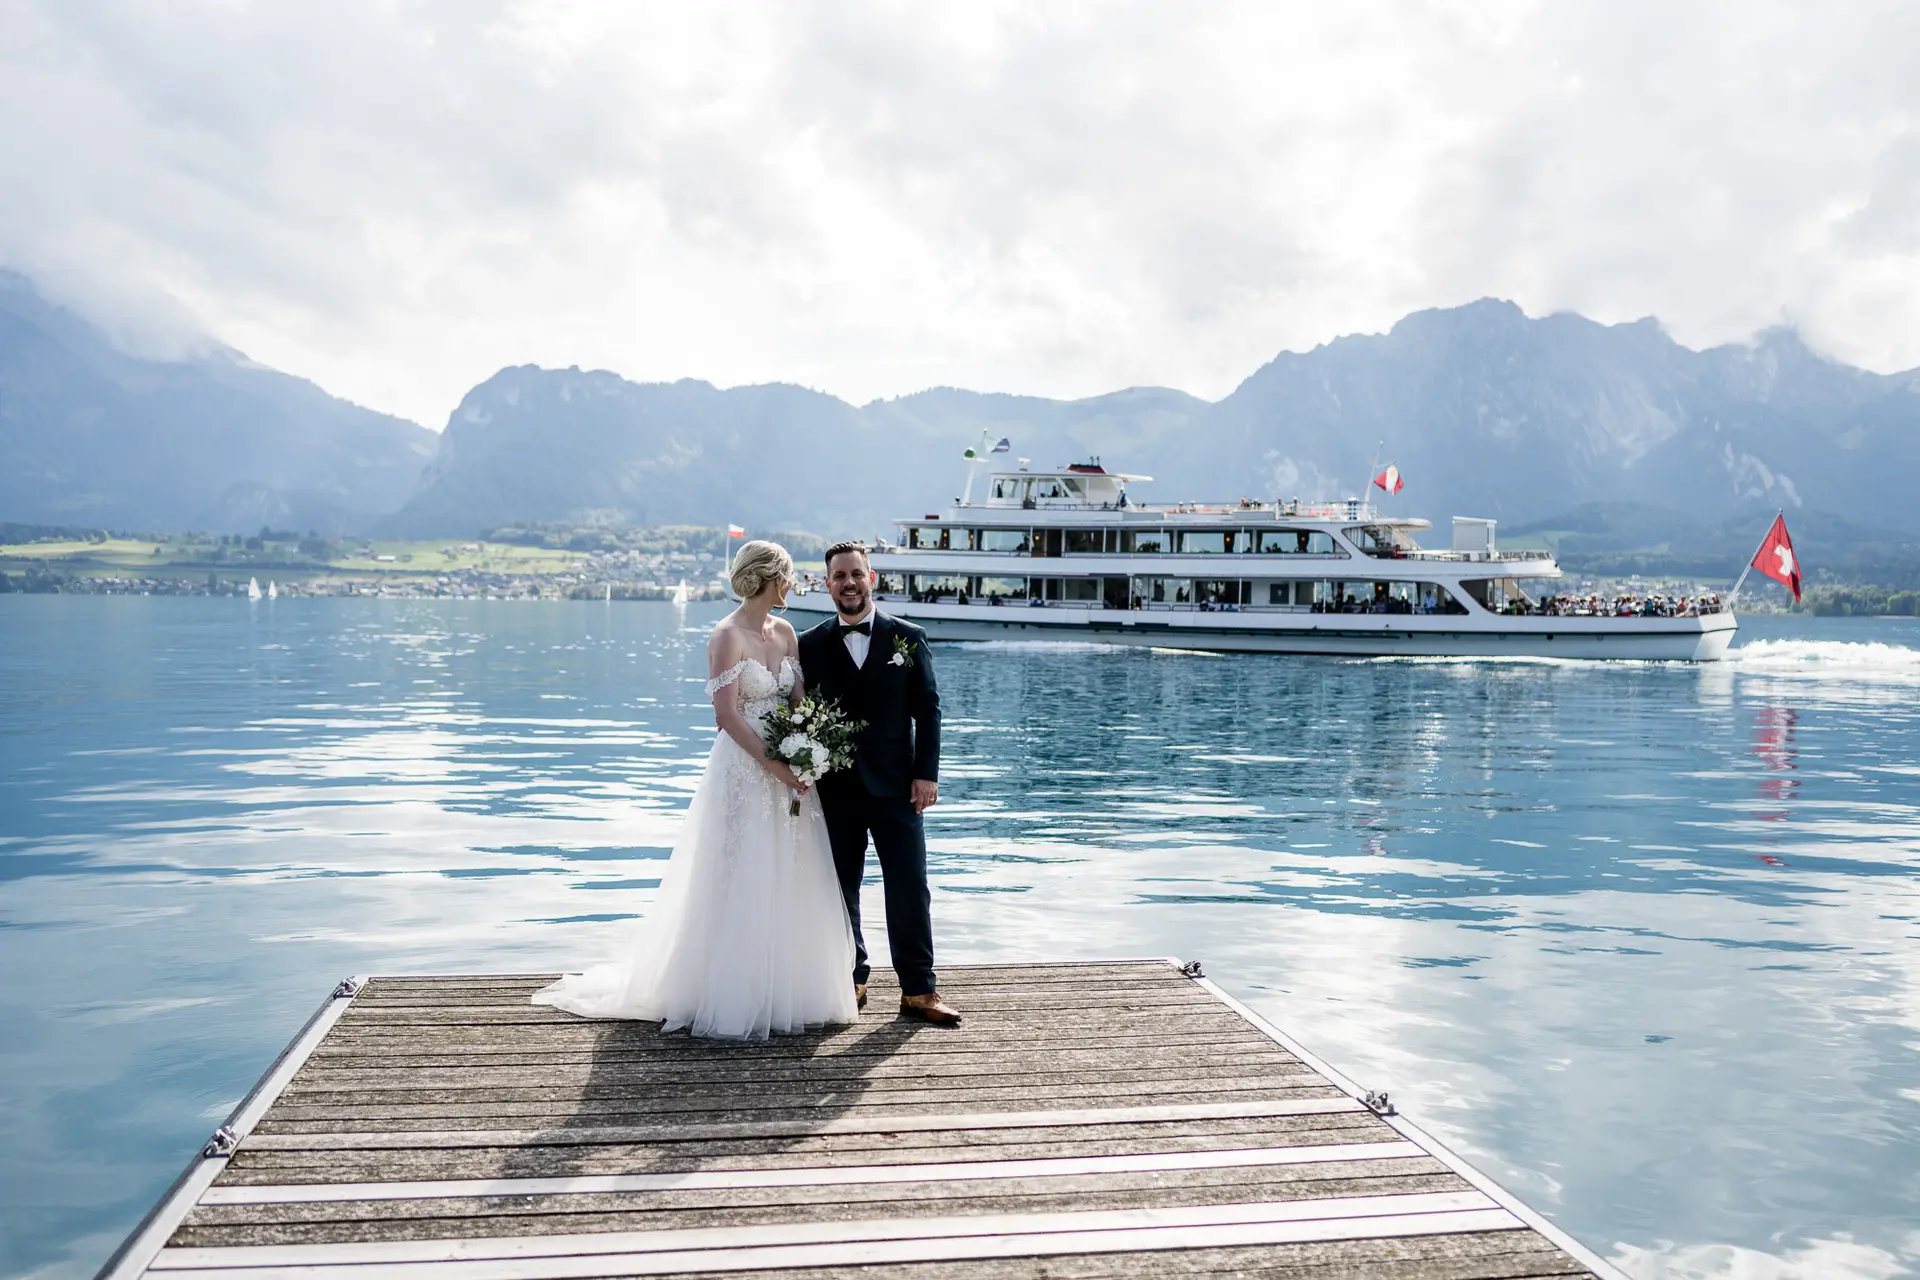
{"points": [[857, 644]]}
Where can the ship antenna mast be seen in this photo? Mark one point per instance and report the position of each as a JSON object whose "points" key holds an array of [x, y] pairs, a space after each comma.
{"points": [[973, 457]]}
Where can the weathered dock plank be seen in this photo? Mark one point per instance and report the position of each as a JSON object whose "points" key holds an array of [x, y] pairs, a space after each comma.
{"points": [[1106, 1119]]}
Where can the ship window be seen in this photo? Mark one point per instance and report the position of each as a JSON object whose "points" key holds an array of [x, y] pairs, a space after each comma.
{"points": [[1056, 487], [1079, 590], [891, 584], [1007, 489], [1498, 594], [1143, 541], [931, 586], [1205, 541], [1001, 588], [1354, 597], [1320, 595], [1014, 540], [1085, 541], [1162, 590], [933, 537], [1279, 593], [1384, 597], [1297, 542], [1220, 591]]}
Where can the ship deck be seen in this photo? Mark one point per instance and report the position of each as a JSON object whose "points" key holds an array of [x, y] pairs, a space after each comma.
{"points": [[1124, 1118]]}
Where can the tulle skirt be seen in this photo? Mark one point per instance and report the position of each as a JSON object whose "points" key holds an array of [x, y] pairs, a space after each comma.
{"points": [[749, 934]]}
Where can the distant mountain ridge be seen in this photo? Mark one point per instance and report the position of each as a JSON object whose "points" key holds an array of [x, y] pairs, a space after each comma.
{"points": [[1486, 411], [562, 444], [1517, 417], [91, 435]]}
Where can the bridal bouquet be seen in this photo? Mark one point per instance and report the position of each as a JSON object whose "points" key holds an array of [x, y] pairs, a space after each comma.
{"points": [[813, 737]]}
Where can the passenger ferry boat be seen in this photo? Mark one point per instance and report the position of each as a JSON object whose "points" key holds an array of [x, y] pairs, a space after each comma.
{"points": [[1068, 555]]}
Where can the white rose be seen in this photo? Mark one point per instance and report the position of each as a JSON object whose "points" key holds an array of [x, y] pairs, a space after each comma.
{"points": [[898, 660], [791, 744], [800, 714]]}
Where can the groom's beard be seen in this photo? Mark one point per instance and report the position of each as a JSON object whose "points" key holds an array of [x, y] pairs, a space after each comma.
{"points": [[855, 609]]}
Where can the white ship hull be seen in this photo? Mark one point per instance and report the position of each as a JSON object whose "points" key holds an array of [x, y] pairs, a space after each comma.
{"points": [[1682, 639]]}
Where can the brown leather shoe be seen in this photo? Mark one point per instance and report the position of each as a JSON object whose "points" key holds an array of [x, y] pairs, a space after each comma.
{"points": [[859, 995], [930, 1008]]}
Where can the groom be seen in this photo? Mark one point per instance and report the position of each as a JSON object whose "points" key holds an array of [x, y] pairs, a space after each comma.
{"points": [[880, 669]]}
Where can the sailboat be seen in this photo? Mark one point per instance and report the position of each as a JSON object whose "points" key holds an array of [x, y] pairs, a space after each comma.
{"points": [[253, 588], [680, 595], [273, 590]]}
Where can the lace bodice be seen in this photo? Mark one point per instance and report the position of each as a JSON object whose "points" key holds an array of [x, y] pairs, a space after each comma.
{"points": [[760, 690]]}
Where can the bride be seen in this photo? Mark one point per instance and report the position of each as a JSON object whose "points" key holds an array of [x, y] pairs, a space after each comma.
{"points": [[749, 933]]}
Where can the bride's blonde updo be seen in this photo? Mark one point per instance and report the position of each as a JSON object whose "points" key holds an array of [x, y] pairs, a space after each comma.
{"points": [[758, 563]]}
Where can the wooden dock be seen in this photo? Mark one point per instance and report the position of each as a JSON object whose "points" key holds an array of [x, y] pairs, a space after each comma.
{"points": [[1122, 1118]]}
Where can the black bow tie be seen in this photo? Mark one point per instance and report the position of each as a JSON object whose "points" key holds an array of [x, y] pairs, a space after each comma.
{"points": [[864, 628]]}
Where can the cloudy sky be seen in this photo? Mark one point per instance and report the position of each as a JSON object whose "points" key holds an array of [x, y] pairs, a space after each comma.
{"points": [[396, 199]]}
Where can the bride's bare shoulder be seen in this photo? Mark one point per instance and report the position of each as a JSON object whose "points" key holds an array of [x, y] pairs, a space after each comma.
{"points": [[726, 640]]}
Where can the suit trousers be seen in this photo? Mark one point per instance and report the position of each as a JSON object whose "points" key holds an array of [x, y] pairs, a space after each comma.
{"points": [[899, 838]]}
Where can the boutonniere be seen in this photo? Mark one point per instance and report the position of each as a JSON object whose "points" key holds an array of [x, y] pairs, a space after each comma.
{"points": [[902, 652]]}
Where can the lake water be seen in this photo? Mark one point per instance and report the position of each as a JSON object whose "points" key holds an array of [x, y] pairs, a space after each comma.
{"points": [[1637, 939]]}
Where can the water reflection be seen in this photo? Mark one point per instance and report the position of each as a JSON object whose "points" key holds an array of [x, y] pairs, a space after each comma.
{"points": [[1773, 747], [1638, 937]]}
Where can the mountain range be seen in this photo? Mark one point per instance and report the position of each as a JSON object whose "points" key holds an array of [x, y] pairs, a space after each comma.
{"points": [[90, 435], [1557, 424]]}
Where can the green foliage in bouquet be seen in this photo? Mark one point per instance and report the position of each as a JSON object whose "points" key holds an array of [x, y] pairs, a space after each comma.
{"points": [[813, 737]]}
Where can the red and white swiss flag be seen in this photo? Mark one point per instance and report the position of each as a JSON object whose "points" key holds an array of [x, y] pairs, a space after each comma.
{"points": [[1390, 479], [735, 531], [1775, 557]]}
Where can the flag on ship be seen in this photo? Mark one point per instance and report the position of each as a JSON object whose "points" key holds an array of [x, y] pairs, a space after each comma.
{"points": [[1390, 479], [1775, 557], [735, 531], [1004, 446]]}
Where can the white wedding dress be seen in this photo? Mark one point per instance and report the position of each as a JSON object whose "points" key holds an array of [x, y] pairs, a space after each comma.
{"points": [[749, 933]]}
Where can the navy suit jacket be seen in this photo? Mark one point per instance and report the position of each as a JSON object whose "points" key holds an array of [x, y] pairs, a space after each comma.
{"points": [[899, 701]]}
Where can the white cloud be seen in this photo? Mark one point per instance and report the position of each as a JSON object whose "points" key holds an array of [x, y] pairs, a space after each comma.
{"points": [[399, 199]]}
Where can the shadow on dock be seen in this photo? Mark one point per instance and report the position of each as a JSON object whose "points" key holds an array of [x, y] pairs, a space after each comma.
{"points": [[566, 1097], [676, 1103]]}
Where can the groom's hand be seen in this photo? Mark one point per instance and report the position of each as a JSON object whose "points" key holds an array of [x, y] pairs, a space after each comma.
{"points": [[925, 795]]}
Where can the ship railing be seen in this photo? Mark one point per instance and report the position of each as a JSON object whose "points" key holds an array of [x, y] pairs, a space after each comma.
{"points": [[1606, 613], [1349, 511], [1462, 557], [1289, 557], [1609, 610]]}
